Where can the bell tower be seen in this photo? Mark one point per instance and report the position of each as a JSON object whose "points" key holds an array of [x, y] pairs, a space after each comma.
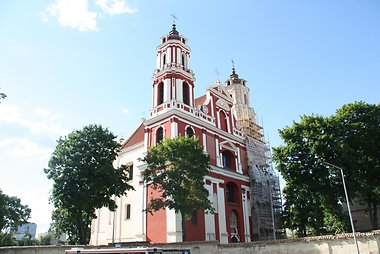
{"points": [[244, 114], [173, 80]]}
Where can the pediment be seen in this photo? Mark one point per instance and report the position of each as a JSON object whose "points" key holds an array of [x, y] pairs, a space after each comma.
{"points": [[222, 104], [228, 145], [221, 92]]}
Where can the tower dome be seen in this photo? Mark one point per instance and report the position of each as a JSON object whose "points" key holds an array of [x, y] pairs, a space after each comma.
{"points": [[173, 80]]}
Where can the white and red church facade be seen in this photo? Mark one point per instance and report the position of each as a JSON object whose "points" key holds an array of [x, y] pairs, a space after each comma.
{"points": [[175, 111]]}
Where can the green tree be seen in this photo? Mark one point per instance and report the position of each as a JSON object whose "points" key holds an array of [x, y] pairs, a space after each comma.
{"points": [[176, 169], [26, 240], [84, 180], [2, 96], [357, 146], [349, 139], [7, 239], [12, 215], [46, 240]]}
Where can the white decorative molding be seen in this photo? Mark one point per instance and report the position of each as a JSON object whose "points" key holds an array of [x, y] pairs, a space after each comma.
{"points": [[222, 104], [229, 173], [228, 145]]}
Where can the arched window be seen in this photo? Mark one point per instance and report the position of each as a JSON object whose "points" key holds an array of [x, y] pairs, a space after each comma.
{"points": [[223, 120], [183, 61], [130, 171], [159, 135], [189, 132], [127, 211], [185, 93], [160, 95], [245, 99], [234, 226], [232, 192], [228, 160]]}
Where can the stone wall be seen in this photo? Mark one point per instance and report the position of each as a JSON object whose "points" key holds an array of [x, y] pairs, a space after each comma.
{"points": [[369, 243]]}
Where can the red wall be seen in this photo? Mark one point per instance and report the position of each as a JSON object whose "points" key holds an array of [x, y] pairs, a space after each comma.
{"points": [[211, 148], [156, 222], [196, 232]]}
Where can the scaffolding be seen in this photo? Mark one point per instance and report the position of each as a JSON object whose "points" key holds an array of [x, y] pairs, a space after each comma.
{"points": [[251, 129], [266, 203]]}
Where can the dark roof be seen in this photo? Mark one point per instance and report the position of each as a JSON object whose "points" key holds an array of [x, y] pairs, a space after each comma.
{"points": [[200, 100], [136, 137]]}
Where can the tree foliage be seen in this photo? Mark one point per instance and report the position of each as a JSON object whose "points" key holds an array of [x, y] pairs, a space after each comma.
{"points": [[314, 194], [2, 96], [81, 167], [176, 168], [12, 215], [46, 240]]}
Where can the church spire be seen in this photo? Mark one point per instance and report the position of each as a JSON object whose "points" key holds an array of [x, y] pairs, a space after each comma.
{"points": [[234, 77], [174, 33], [173, 80]]}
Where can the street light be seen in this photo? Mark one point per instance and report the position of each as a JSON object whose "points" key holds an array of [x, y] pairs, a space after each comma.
{"points": [[348, 203], [272, 208]]}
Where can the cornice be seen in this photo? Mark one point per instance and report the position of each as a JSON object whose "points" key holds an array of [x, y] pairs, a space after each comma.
{"points": [[228, 173], [175, 112]]}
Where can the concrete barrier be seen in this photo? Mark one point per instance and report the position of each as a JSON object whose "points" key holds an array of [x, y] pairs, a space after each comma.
{"points": [[369, 243]]}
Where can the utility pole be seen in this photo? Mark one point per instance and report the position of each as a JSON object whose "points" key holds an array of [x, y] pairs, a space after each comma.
{"points": [[348, 203], [271, 204]]}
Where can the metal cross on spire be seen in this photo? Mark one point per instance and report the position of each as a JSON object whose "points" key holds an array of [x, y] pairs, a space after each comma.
{"points": [[174, 18], [233, 68], [217, 74]]}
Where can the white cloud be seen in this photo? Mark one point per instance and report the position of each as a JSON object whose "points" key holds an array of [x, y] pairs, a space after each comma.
{"points": [[21, 147], [11, 114], [76, 13], [45, 113], [125, 111], [72, 13], [112, 7]]}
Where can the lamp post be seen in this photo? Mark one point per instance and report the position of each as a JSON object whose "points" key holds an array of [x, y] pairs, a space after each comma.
{"points": [[272, 207], [348, 203]]}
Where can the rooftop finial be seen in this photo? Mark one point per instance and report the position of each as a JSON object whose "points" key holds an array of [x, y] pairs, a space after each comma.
{"points": [[174, 18], [233, 75], [174, 33], [217, 74]]}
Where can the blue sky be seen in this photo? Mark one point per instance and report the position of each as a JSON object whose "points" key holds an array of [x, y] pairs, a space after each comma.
{"points": [[68, 63]]}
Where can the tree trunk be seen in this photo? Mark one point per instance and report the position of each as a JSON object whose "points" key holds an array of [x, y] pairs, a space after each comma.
{"points": [[183, 228], [80, 229], [374, 214]]}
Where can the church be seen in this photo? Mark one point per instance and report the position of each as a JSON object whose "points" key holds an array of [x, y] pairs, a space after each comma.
{"points": [[222, 119]]}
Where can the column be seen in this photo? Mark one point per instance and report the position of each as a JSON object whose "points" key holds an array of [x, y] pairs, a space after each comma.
{"points": [[179, 90], [166, 90], [204, 139], [174, 226], [239, 167], [173, 128], [217, 153], [246, 212], [222, 215], [209, 218], [146, 138]]}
